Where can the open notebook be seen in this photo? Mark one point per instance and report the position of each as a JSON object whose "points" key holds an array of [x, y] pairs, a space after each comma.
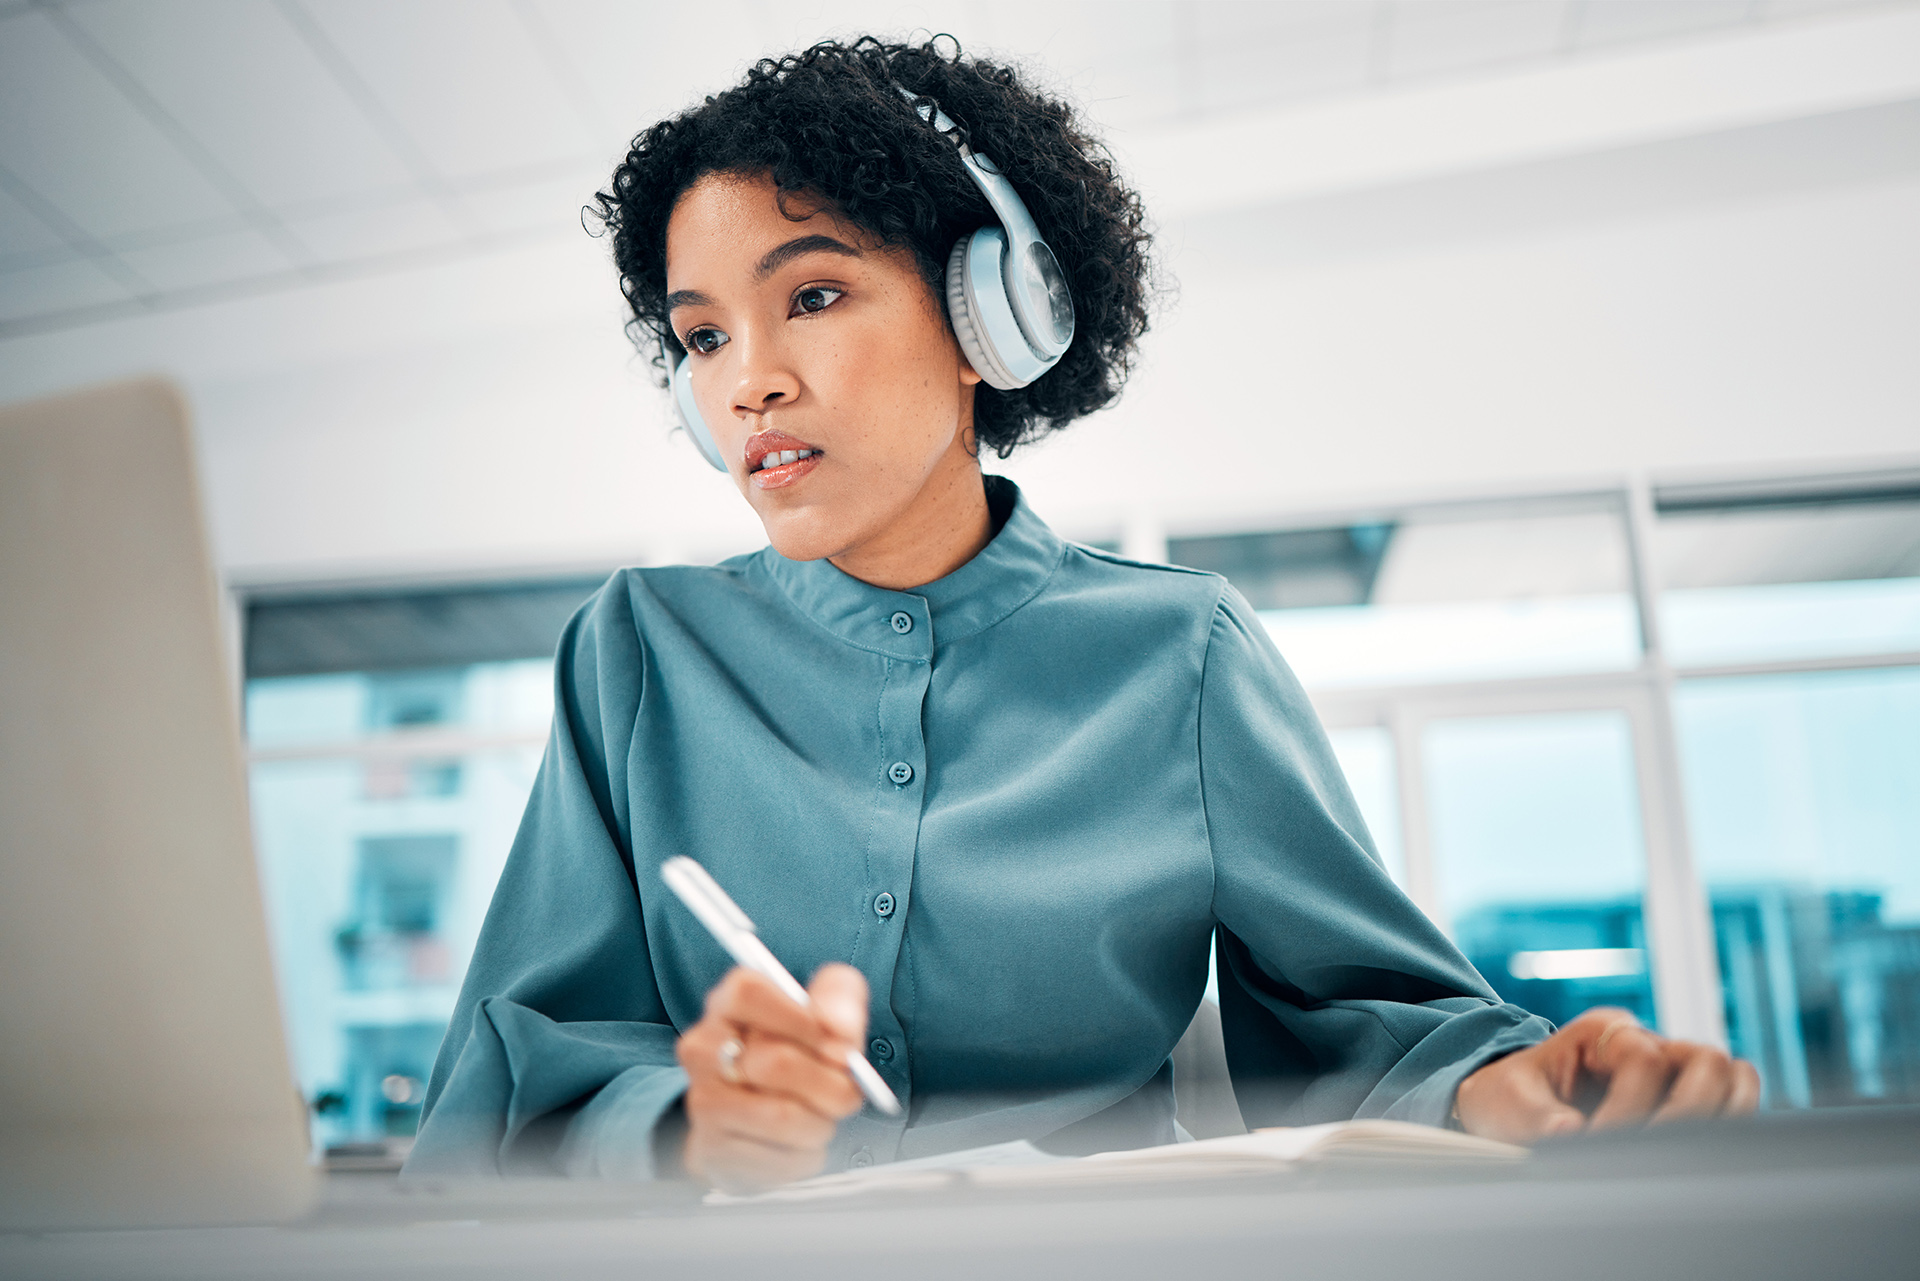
{"points": [[1021, 1165]]}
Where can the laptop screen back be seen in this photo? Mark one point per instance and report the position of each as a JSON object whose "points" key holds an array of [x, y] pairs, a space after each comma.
{"points": [[143, 1076]]}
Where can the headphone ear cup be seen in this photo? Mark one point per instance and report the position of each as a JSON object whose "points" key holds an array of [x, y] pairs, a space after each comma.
{"points": [[688, 411], [983, 317], [967, 325]]}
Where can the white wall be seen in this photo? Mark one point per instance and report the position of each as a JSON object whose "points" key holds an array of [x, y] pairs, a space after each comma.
{"points": [[1733, 301]]}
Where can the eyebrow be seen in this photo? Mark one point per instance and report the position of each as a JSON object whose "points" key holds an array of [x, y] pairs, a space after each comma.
{"points": [[780, 255], [772, 261]]}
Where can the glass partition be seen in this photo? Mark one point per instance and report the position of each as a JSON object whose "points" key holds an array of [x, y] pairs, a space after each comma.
{"points": [[384, 804], [1804, 795], [1540, 858], [1758, 581], [1462, 594]]}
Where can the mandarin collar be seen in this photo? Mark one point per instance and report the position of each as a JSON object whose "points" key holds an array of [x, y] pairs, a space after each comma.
{"points": [[1004, 575]]}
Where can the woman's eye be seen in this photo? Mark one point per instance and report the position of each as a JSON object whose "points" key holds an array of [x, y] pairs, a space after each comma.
{"points": [[818, 298], [706, 341]]}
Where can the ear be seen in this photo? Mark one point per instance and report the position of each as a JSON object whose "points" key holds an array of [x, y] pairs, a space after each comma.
{"points": [[969, 376]]}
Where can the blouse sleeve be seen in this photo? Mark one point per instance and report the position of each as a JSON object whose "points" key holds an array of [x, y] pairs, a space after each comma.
{"points": [[559, 1058], [1338, 997]]}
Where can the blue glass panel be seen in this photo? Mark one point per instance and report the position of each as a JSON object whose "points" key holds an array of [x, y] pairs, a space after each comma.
{"points": [[1540, 859], [378, 868], [1803, 792]]}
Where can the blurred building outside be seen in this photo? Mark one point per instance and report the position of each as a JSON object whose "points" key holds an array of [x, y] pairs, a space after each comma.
{"points": [[384, 806]]}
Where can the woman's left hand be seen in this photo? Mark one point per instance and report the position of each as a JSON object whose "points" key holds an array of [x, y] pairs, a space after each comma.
{"points": [[1640, 1077]]}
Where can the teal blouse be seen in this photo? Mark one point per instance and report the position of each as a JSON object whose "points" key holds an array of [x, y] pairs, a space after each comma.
{"points": [[1022, 800]]}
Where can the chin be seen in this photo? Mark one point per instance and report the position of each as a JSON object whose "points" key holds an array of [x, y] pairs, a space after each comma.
{"points": [[805, 535]]}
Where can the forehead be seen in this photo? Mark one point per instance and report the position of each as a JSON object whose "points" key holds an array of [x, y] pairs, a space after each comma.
{"points": [[726, 222]]}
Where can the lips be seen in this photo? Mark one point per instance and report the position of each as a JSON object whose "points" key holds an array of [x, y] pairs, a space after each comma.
{"points": [[775, 459]]}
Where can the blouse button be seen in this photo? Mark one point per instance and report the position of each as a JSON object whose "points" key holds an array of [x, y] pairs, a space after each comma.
{"points": [[881, 1049], [860, 1160], [900, 772], [902, 622], [883, 906]]}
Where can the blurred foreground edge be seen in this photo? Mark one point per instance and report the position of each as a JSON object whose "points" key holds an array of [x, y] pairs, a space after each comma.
{"points": [[143, 1076]]}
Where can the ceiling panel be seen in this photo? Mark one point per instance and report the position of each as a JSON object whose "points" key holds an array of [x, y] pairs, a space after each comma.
{"points": [[245, 85], [1331, 54], [1272, 28], [1771, 9], [462, 78], [1114, 56], [376, 128], [208, 260], [1457, 35], [1618, 20], [795, 25], [43, 257], [376, 232], [799, 23], [61, 286], [1292, 18], [72, 138], [24, 237], [641, 62], [552, 206], [148, 237]]}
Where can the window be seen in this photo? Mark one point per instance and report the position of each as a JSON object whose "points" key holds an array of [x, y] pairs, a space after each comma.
{"points": [[1793, 612], [1483, 591], [1477, 665], [1652, 750], [1767, 572], [1539, 853], [394, 740], [1804, 789]]}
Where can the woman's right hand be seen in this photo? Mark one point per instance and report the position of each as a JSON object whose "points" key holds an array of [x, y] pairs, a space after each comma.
{"points": [[767, 1081]]}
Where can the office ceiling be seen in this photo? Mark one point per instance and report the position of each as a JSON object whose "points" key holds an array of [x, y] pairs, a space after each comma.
{"points": [[159, 153]]}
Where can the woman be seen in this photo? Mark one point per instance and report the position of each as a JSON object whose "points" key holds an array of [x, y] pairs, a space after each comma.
{"points": [[997, 793]]}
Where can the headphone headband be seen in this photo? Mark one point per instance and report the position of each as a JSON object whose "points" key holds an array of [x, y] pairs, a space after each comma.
{"points": [[1035, 285]]}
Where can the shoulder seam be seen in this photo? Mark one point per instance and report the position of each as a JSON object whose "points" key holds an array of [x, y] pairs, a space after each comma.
{"points": [[1199, 744], [1115, 558]]}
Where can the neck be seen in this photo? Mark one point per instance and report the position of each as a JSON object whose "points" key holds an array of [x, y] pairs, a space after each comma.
{"points": [[944, 528]]}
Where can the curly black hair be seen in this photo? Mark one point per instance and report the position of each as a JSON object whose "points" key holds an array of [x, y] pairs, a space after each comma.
{"points": [[829, 123]]}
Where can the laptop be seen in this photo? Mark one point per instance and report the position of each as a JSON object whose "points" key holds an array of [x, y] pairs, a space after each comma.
{"points": [[144, 1079]]}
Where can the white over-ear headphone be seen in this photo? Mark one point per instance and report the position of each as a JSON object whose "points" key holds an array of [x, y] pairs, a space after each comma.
{"points": [[1007, 298]]}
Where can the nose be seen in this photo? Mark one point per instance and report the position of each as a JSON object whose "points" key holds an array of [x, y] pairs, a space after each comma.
{"points": [[766, 380]]}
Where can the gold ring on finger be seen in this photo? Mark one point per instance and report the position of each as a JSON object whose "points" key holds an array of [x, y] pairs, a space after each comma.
{"points": [[729, 1056], [1600, 1046]]}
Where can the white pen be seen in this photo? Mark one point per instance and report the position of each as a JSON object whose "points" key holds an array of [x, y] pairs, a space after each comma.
{"points": [[732, 930]]}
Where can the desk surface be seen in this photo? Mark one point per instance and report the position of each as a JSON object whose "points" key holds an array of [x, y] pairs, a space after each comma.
{"points": [[1830, 1195]]}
